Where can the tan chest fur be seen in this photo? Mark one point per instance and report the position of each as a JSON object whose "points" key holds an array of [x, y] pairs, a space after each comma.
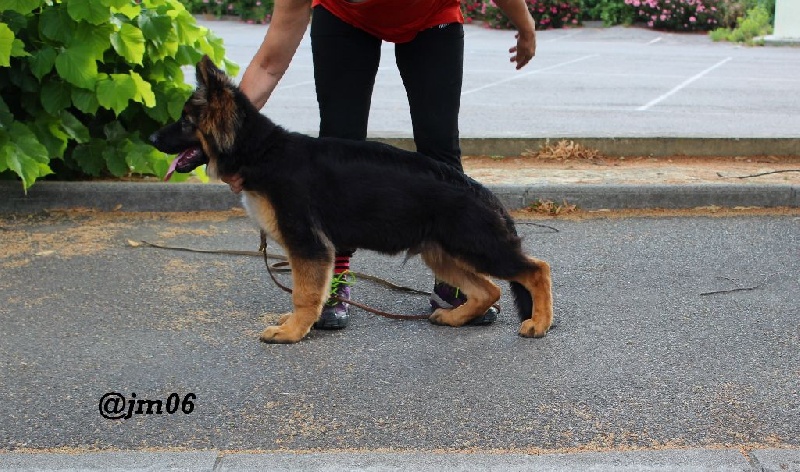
{"points": [[261, 211]]}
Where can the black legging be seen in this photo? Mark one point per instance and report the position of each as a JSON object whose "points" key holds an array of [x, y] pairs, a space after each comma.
{"points": [[345, 64]]}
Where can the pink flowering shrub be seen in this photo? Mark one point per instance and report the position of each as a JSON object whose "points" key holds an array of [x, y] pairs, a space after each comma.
{"points": [[250, 11], [678, 15], [547, 13]]}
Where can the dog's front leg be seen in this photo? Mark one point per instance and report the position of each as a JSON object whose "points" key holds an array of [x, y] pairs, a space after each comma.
{"points": [[312, 280]]}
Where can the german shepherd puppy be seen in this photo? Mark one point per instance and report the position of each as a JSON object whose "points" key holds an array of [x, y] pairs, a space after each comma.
{"points": [[313, 195]]}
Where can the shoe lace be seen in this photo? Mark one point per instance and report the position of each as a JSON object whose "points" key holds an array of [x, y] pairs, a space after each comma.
{"points": [[344, 279]]}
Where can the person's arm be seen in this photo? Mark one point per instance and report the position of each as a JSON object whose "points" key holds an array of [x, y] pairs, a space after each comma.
{"points": [[517, 12], [286, 30], [289, 22]]}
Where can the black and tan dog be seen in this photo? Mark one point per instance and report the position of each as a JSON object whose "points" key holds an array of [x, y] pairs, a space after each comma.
{"points": [[312, 195]]}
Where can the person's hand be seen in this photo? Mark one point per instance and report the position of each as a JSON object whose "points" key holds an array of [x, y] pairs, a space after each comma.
{"points": [[525, 49], [235, 181]]}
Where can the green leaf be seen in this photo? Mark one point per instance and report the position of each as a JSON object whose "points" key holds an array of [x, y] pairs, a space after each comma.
{"points": [[170, 98], [42, 61], [114, 132], [177, 99], [85, 100], [160, 51], [6, 45], [129, 9], [140, 157], [74, 128], [96, 39], [187, 28], [18, 49], [91, 11], [144, 92], [48, 131], [56, 95], [77, 66], [20, 6], [115, 161], [156, 28], [187, 55], [25, 155], [89, 157], [24, 138], [55, 24], [129, 43], [114, 91]]}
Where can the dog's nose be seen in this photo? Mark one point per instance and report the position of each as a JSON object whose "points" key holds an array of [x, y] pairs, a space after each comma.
{"points": [[153, 138]]}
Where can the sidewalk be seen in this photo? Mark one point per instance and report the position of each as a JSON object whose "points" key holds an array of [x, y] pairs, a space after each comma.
{"points": [[633, 182], [688, 460]]}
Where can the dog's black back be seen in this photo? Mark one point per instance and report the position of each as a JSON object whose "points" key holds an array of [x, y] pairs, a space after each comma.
{"points": [[370, 195]]}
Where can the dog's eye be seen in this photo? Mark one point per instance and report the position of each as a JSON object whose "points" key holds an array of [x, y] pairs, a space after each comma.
{"points": [[187, 126]]}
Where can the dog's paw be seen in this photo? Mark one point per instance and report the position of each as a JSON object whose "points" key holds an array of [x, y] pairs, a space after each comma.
{"points": [[283, 318], [279, 335], [530, 329], [443, 317]]}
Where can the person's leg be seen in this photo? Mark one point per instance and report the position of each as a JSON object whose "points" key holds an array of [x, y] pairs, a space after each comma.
{"points": [[345, 64], [346, 61], [432, 66]]}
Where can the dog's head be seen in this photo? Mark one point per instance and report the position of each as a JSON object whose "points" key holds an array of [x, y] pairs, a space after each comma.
{"points": [[207, 126]]}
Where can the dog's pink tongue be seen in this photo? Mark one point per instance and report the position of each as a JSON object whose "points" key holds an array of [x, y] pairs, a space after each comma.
{"points": [[174, 163]]}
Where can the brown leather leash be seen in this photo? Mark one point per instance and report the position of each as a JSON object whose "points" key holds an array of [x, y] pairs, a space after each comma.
{"points": [[283, 265], [262, 248]]}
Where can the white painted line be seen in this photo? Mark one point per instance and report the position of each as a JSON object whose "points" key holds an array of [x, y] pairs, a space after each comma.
{"points": [[655, 40], [522, 76], [560, 37], [682, 85]]}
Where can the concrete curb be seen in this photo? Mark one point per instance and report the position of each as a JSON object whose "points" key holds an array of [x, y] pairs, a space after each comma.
{"points": [[665, 460], [649, 146], [163, 197], [618, 197], [156, 196]]}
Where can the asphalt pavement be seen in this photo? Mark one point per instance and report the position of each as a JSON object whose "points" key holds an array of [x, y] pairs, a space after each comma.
{"points": [[676, 338], [674, 348]]}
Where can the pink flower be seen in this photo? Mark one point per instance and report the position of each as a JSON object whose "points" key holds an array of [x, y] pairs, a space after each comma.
{"points": [[692, 19]]}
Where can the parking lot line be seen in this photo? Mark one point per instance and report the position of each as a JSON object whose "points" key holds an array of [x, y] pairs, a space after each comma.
{"points": [[682, 85]]}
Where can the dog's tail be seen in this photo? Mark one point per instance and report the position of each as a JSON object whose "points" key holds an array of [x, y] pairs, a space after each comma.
{"points": [[523, 300]]}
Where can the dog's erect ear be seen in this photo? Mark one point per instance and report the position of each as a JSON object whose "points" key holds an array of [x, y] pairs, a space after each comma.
{"points": [[209, 75]]}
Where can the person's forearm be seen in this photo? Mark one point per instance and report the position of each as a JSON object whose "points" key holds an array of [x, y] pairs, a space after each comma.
{"points": [[289, 23]]}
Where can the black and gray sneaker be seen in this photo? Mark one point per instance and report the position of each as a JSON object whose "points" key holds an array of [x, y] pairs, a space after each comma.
{"points": [[336, 313], [446, 296]]}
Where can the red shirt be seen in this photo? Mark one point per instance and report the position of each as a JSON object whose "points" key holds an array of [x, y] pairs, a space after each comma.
{"points": [[396, 21]]}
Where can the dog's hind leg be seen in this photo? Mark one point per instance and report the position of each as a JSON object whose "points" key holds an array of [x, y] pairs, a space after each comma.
{"points": [[481, 292], [538, 284], [312, 280]]}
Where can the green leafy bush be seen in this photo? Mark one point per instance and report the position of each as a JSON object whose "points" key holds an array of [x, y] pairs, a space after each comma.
{"points": [[754, 24], [611, 12], [84, 82], [733, 10], [250, 11]]}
